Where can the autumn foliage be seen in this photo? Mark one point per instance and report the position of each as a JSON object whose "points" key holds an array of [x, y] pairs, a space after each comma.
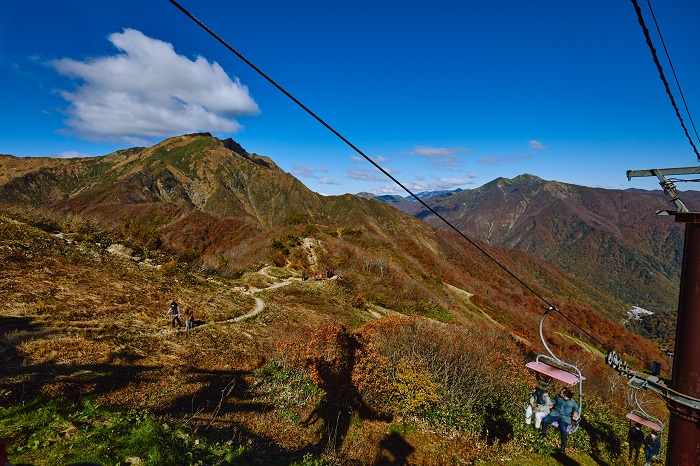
{"points": [[412, 367]]}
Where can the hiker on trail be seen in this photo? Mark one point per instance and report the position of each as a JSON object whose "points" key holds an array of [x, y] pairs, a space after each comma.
{"points": [[189, 319], [174, 311], [635, 437], [564, 410], [538, 404], [304, 277], [652, 447]]}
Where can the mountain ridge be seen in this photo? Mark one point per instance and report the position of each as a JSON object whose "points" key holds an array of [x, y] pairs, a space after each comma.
{"points": [[582, 230], [402, 322]]}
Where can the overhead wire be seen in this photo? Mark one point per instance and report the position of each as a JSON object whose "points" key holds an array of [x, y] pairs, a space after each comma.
{"points": [[673, 70], [678, 180], [548, 305], [655, 57]]}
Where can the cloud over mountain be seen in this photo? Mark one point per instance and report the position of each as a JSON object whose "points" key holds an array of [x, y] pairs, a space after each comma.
{"points": [[441, 157], [148, 90]]}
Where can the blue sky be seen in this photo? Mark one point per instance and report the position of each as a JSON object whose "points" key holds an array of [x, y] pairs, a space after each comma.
{"points": [[441, 94]]}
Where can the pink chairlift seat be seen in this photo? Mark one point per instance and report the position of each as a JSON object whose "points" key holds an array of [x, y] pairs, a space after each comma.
{"points": [[553, 372], [569, 427], [644, 422]]}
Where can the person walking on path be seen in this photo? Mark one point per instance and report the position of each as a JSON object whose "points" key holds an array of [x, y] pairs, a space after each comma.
{"points": [[189, 319], [635, 438], [174, 311], [652, 447], [564, 411], [538, 404]]}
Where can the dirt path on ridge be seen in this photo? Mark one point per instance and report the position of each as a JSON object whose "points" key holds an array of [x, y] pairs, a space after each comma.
{"points": [[259, 303]]}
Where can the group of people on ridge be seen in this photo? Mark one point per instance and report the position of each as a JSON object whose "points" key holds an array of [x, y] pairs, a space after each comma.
{"points": [[174, 312], [330, 273], [563, 410]]}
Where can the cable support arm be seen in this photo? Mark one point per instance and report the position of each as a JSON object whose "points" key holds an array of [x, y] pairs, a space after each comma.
{"points": [[683, 405]]}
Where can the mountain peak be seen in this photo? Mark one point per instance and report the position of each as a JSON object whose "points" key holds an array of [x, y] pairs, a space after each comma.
{"points": [[523, 180]]}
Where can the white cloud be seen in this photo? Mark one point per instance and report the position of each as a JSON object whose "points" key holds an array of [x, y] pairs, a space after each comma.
{"points": [[516, 157], [303, 171], [70, 155], [327, 181], [420, 185], [537, 145], [441, 157], [388, 189], [366, 174], [490, 160], [148, 90], [378, 159]]}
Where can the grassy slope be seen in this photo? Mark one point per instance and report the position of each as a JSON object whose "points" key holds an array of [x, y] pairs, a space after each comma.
{"points": [[86, 332]]}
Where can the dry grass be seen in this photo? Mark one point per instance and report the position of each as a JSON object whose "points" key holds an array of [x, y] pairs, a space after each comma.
{"points": [[77, 322]]}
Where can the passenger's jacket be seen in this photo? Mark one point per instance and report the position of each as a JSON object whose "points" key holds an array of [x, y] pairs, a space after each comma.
{"points": [[546, 400], [635, 436], [563, 409], [652, 444]]}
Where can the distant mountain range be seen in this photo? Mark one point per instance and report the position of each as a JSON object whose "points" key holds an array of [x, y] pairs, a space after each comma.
{"points": [[397, 198], [612, 239], [593, 252], [94, 250]]}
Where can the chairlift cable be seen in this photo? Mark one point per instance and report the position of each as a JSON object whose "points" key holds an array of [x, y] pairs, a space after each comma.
{"points": [[355, 148], [673, 70], [678, 180], [655, 57], [549, 306]]}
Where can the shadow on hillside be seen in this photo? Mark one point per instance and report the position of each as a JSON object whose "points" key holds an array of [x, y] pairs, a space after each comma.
{"points": [[602, 439], [216, 397], [340, 401], [397, 448], [496, 429], [13, 332], [222, 394], [24, 381], [565, 460], [73, 381]]}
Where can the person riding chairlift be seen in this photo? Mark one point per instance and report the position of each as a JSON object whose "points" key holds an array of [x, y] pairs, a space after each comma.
{"points": [[538, 404], [564, 411]]}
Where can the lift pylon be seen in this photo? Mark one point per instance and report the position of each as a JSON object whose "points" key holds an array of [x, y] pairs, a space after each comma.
{"points": [[683, 398]]}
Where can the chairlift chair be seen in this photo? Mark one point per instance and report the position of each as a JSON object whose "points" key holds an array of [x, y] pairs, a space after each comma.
{"points": [[637, 416], [642, 417], [569, 377]]}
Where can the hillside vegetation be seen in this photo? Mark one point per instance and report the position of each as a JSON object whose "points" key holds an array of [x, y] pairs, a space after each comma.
{"points": [[581, 230], [413, 353]]}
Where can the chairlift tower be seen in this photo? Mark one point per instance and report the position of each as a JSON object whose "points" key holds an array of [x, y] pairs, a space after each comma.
{"points": [[683, 397]]}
